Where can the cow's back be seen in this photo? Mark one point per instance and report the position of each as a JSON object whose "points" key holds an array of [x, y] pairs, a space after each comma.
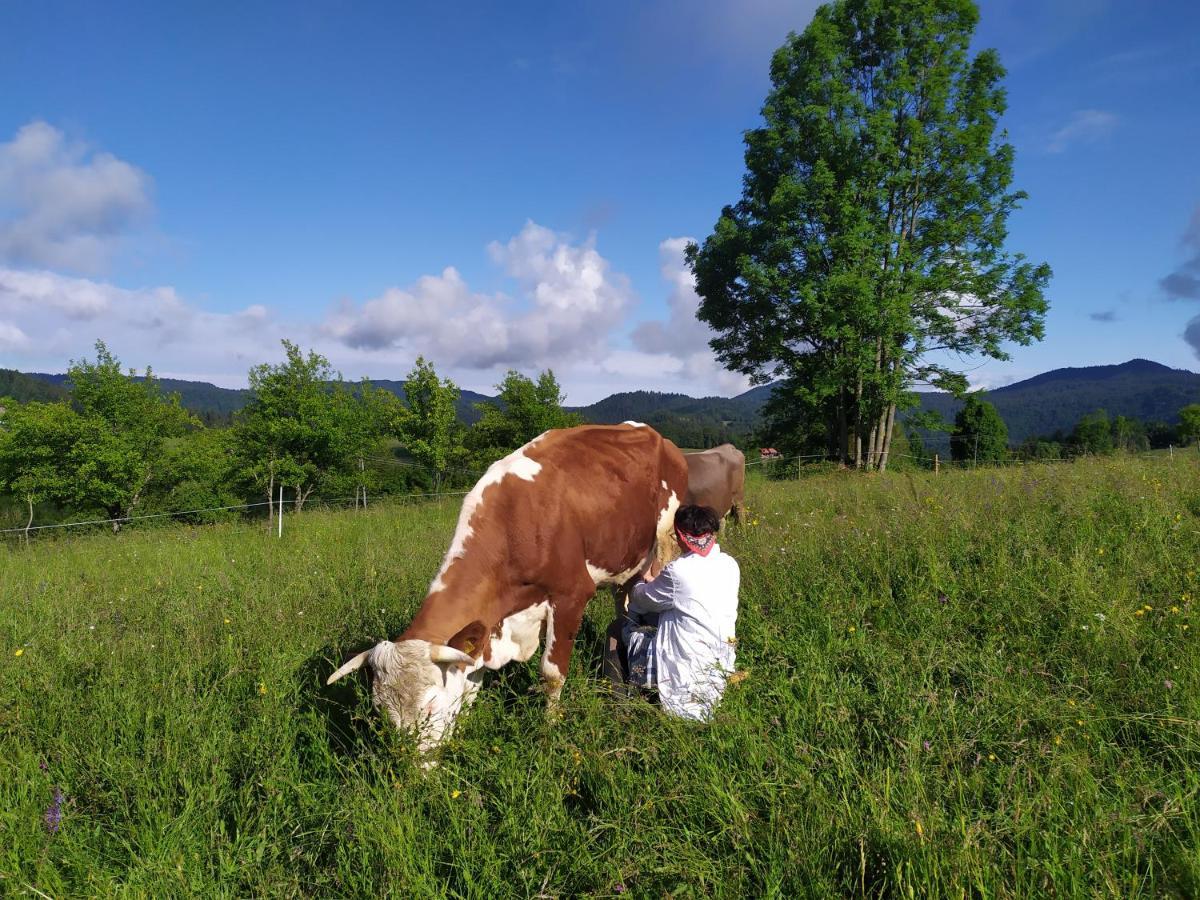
{"points": [[717, 478]]}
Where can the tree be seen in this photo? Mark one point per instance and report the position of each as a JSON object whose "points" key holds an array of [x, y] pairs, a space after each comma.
{"points": [[1129, 435], [428, 427], [871, 228], [1189, 424], [124, 423], [1092, 434], [525, 410], [36, 443], [297, 426], [979, 435]]}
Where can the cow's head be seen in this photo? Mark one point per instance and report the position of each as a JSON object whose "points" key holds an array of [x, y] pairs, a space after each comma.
{"points": [[421, 686]]}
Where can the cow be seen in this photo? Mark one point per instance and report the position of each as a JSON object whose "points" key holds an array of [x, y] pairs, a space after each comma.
{"points": [[717, 479], [542, 529]]}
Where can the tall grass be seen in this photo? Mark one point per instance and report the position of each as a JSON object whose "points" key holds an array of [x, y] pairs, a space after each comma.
{"points": [[975, 684]]}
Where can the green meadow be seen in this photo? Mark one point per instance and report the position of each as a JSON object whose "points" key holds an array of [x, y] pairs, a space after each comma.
{"points": [[975, 684]]}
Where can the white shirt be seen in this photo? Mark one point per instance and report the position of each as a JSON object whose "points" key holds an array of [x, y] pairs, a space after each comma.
{"points": [[697, 598]]}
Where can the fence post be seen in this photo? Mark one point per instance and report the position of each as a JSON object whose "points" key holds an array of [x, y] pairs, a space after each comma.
{"points": [[1171, 451], [280, 516], [936, 463]]}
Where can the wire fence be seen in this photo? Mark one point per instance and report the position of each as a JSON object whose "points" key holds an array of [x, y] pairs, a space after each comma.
{"points": [[782, 465]]}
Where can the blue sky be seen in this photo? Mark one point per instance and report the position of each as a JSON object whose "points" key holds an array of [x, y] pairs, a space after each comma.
{"points": [[508, 185]]}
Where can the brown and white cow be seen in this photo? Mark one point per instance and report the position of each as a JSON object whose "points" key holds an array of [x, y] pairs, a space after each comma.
{"points": [[717, 479], [541, 530]]}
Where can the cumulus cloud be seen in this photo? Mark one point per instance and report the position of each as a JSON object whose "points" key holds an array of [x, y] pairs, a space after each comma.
{"points": [[1085, 126], [680, 345], [1191, 334], [64, 205], [45, 316], [571, 300], [1184, 282]]}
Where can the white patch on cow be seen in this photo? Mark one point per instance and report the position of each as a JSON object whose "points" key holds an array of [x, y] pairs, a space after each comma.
{"points": [[549, 639], [520, 635], [635, 424], [665, 546], [601, 576], [516, 464], [665, 486]]}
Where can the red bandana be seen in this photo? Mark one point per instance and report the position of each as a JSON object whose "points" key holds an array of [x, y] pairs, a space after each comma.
{"points": [[697, 543]]}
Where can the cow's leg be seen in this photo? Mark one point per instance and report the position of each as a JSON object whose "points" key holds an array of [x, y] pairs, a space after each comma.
{"points": [[562, 624]]}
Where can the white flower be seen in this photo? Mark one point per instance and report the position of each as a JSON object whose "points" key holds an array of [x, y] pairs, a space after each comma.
{"points": [[1101, 616]]}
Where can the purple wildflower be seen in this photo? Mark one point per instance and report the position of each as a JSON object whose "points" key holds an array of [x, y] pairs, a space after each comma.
{"points": [[1169, 684], [43, 766], [943, 599], [926, 744], [53, 814], [618, 888]]}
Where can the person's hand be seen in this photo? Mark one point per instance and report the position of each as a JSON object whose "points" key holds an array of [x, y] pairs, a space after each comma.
{"points": [[652, 571]]}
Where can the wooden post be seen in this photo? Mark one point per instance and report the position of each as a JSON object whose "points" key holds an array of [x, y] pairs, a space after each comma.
{"points": [[280, 516], [936, 463]]}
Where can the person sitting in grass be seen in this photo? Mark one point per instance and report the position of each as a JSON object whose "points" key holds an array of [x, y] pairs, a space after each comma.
{"points": [[676, 633]]}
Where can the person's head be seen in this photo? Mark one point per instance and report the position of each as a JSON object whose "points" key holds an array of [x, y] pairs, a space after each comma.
{"points": [[696, 528]]}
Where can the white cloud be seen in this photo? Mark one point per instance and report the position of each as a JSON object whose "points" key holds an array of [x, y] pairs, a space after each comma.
{"points": [[64, 205], [680, 344], [572, 299], [47, 319], [1085, 126]]}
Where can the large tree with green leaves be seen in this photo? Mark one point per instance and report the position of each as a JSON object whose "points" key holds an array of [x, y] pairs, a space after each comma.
{"points": [[302, 422], [36, 445], [1189, 423], [867, 252], [428, 426], [125, 421], [525, 409], [979, 435]]}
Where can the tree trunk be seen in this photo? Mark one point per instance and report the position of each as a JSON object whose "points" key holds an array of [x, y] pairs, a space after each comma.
{"points": [[887, 441], [271, 498]]}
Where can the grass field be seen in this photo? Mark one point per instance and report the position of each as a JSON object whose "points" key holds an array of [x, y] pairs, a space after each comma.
{"points": [[977, 684]]}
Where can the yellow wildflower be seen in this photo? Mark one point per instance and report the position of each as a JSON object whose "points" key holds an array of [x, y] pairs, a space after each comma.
{"points": [[226, 621], [852, 629], [1174, 609], [1100, 551], [991, 757], [1057, 739], [495, 749], [262, 688], [20, 651], [1070, 703], [454, 795], [1147, 607], [1079, 721], [920, 830]]}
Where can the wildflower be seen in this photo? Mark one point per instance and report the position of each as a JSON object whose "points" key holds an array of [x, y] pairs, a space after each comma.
{"points": [[991, 757], [1175, 609], [1185, 627], [1057, 739], [618, 888], [1169, 684], [53, 815], [926, 744], [1100, 551], [1079, 722], [1101, 617], [495, 749], [1147, 607], [20, 651], [1070, 703], [754, 522], [262, 689], [1140, 612], [455, 794], [226, 621], [852, 629], [920, 830]]}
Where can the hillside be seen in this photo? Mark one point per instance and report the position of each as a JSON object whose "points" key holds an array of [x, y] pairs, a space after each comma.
{"points": [[1041, 405], [26, 388], [1056, 400]]}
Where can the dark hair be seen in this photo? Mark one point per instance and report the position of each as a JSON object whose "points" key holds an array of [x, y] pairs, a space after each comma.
{"points": [[697, 520]]}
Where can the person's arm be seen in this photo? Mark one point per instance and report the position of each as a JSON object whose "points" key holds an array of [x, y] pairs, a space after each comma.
{"points": [[653, 596]]}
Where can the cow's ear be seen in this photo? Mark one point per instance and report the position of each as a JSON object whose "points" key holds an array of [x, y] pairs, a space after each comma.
{"points": [[470, 639]]}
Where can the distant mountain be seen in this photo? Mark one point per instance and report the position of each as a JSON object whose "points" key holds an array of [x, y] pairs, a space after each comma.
{"points": [[25, 388], [1041, 405], [1056, 400]]}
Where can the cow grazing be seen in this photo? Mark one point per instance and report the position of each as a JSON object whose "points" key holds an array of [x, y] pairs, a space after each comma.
{"points": [[541, 530], [717, 479]]}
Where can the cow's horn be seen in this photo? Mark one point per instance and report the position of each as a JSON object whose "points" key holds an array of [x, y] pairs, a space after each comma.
{"points": [[440, 653], [351, 665]]}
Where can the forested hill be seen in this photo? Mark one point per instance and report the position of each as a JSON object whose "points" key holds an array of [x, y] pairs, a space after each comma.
{"points": [[1056, 400], [24, 388], [1041, 405]]}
